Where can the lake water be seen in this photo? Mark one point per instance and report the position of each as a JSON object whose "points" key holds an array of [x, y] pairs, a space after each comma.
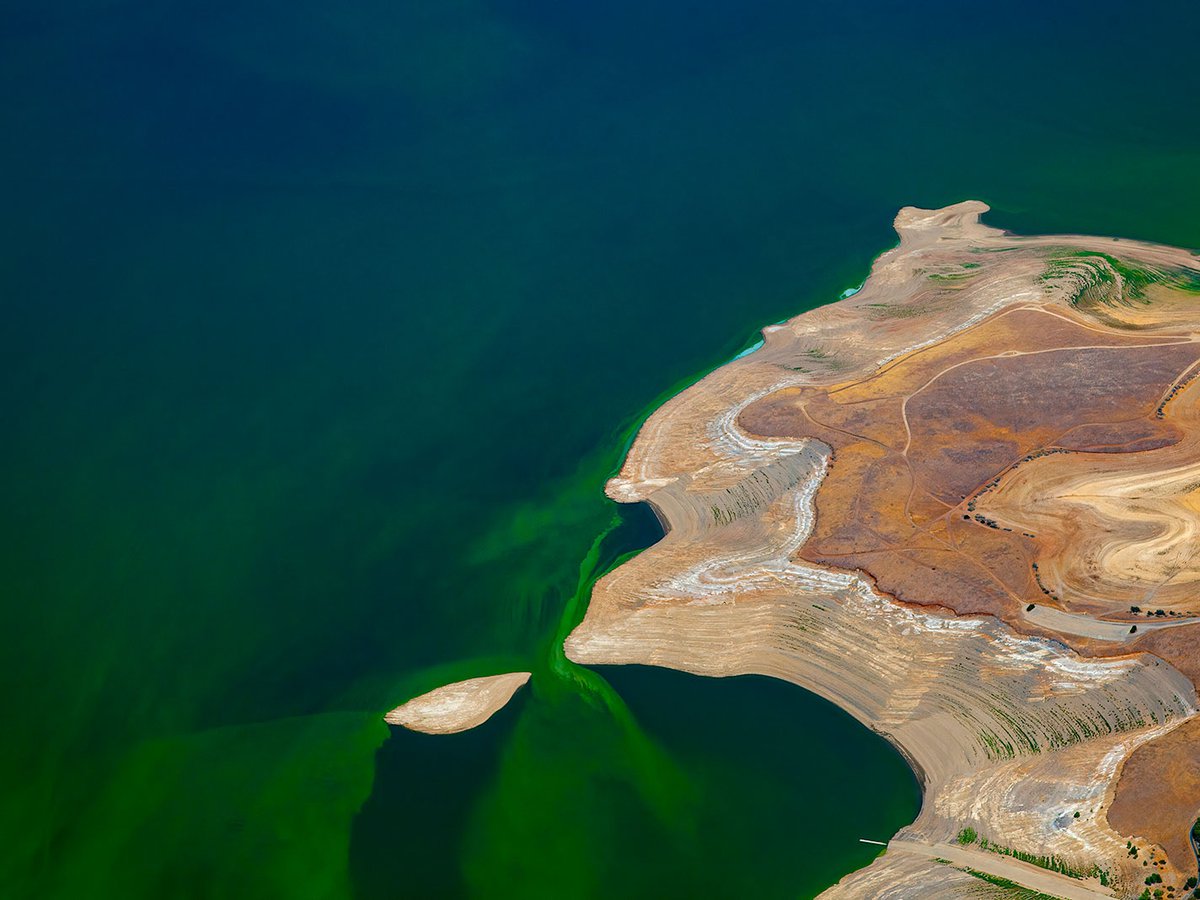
{"points": [[323, 327]]}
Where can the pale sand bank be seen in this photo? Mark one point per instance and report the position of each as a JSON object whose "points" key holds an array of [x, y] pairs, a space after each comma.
{"points": [[458, 706]]}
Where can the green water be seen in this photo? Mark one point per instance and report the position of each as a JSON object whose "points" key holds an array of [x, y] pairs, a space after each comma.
{"points": [[323, 327]]}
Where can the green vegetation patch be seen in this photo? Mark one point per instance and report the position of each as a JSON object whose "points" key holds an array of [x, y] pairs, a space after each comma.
{"points": [[950, 276], [1016, 890], [1051, 862], [895, 311], [1098, 278]]}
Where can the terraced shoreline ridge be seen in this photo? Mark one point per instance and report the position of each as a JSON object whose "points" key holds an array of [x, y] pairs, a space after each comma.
{"points": [[962, 504]]}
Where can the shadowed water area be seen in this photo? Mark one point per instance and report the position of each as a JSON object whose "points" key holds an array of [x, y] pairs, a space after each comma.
{"points": [[323, 327]]}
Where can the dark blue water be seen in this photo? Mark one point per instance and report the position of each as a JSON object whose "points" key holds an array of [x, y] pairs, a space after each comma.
{"points": [[322, 329]]}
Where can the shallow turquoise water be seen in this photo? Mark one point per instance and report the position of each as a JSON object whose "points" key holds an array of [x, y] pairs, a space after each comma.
{"points": [[323, 328]]}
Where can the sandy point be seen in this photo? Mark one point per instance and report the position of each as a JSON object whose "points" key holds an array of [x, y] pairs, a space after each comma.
{"points": [[458, 706]]}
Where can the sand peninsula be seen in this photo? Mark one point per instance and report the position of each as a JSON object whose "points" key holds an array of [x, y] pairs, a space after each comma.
{"points": [[962, 504]]}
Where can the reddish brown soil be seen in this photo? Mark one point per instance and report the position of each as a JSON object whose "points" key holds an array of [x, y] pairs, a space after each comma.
{"points": [[1163, 776], [896, 505]]}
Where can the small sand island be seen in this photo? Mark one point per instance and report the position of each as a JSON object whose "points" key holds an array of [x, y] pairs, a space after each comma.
{"points": [[963, 504], [458, 706]]}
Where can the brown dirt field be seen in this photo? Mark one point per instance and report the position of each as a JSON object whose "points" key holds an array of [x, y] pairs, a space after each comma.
{"points": [[1157, 796], [918, 440], [1116, 529], [1121, 437], [1163, 776]]}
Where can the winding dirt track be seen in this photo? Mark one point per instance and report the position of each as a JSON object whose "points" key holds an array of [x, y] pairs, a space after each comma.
{"points": [[868, 505]]}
